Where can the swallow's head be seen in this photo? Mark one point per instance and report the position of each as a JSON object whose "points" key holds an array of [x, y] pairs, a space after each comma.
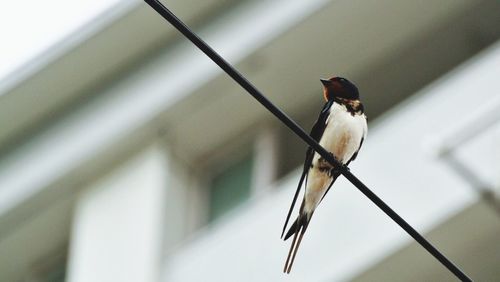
{"points": [[339, 87]]}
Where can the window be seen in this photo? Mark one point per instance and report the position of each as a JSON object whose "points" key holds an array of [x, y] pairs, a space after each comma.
{"points": [[230, 187], [251, 171]]}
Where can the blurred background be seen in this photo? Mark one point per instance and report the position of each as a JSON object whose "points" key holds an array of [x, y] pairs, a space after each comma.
{"points": [[127, 155]]}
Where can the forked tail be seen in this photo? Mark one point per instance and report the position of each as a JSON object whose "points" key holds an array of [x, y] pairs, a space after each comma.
{"points": [[299, 226]]}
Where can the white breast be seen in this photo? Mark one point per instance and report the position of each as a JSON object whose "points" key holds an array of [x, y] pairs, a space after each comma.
{"points": [[343, 133]]}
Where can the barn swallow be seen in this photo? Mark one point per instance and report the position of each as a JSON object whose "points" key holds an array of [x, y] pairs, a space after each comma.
{"points": [[341, 128]]}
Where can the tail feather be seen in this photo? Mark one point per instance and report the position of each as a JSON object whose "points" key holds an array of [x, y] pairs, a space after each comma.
{"points": [[299, 226], [285, 268], [296, 248], [292, 230]]}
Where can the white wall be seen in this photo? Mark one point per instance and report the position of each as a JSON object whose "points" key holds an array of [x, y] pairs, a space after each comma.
{"points": [[118, 223]]}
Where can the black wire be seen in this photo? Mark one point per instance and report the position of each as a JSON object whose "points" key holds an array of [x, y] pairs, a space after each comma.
{"points": [[252, 90]]}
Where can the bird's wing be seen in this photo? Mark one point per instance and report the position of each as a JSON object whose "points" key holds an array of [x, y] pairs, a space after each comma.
{"points": [[316, 133], [365, 131], [356, 153]]}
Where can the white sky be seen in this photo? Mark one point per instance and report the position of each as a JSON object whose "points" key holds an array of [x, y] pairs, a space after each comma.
{"points": [[30, 27]]}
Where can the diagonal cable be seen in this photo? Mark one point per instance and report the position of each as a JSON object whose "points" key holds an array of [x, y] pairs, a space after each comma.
{"points": [[252, 90]]}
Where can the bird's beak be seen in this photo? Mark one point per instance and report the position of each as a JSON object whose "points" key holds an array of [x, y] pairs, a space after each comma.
{"points": [[325, 82]]}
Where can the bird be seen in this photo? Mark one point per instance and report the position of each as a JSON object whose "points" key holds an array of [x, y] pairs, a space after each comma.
{"points": [[341, 129]]}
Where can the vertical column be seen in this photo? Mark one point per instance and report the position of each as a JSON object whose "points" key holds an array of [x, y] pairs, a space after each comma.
{"points": [[265, 163], [118, 223], [496, 165]]}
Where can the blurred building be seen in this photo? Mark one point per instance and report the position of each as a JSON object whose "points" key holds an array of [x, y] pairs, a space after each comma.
{"points": [[127, 155]]}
